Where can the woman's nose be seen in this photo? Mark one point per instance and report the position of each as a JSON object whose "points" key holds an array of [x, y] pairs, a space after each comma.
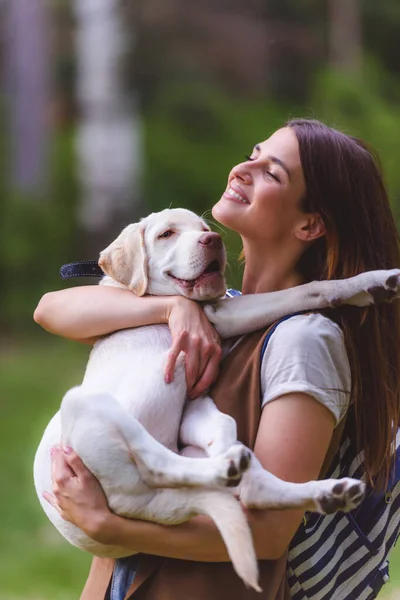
{"points": [[242, 172]]}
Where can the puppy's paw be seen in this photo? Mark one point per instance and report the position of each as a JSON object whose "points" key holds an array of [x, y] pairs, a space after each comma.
{"points": [[372, 287], [339, 494], [389, 289], [233, 464]]}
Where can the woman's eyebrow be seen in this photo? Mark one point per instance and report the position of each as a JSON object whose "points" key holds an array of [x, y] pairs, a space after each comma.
{"points": [[275, 160]]}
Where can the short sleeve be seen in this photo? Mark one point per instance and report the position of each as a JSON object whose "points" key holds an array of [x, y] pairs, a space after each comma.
{"points": [[307, 354]]}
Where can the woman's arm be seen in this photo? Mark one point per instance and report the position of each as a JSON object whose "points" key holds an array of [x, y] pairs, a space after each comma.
{"points": [[293, 438], [86, 313]]}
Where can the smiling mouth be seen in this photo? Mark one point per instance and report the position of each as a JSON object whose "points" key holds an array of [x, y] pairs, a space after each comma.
{"points": [[213, 268], [231, 193]]}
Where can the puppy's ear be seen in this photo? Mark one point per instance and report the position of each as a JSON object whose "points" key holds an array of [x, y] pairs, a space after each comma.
{"points": [[125, 259]]}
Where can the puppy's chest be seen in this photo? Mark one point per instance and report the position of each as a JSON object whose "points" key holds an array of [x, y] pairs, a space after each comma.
{"points": [[125, 349]]}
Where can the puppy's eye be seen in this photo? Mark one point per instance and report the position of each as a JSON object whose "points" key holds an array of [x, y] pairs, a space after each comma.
{"points": [[166, 234]]}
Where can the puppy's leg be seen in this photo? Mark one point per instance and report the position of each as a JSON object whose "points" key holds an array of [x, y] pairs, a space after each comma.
{"points": [[260, 489], [242, 314], [158, 466], [193, 452], [204, 426]]}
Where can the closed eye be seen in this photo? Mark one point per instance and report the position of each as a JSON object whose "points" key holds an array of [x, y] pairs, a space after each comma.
{"points": [[273, 176], [272, 159]]}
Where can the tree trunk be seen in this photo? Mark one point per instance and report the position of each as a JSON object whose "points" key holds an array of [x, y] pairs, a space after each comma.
{"points": [[108, 141], [27, 88], [345, 35]]}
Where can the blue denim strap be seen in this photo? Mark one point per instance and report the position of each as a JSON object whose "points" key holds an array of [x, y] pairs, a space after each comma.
{"points": [[123, 576]]}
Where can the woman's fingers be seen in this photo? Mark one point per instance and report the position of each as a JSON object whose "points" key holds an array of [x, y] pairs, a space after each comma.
{"points": [[193, 335], [75, 464], [66, 465], [61, 471], [193, 362], [191, 348], [208, 375], [51, 500], [201, 363], [77, 494], [178, 346]]}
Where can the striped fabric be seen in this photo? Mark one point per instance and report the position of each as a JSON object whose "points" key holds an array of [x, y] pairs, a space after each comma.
{"points": [[231, 293], [345, 556]]}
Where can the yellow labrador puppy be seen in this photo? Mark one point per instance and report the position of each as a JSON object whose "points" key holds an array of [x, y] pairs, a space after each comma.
{"points": [[124, 421]]}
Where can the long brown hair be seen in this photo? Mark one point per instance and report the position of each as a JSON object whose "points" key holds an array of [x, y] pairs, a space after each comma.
{"points": [[344, 185]]}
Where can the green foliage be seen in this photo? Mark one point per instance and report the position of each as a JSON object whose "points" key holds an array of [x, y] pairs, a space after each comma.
{"points": [[194, 136], [381, 23], [367, 106], [38, 234]]}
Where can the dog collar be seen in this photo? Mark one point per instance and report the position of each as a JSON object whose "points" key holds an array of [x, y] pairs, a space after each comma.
{"points": [[83, 268]]}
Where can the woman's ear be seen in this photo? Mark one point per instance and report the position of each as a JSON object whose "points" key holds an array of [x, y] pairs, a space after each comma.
{"points": [[311, 228]]}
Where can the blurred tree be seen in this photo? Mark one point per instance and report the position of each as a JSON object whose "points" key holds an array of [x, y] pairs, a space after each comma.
{"points": [[27, 87], [357, 106], [381, 22], [345, 37], [108, 137], [212, 78]]}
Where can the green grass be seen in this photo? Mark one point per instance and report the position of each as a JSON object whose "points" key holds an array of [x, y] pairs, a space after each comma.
{"points": [[392, 588], [35, 561]]}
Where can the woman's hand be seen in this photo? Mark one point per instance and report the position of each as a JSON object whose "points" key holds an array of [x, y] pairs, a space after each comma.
{"points": [[78, 496], [193, 334]]}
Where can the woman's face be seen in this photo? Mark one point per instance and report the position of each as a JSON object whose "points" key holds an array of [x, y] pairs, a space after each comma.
{"points": [[262, 198]]}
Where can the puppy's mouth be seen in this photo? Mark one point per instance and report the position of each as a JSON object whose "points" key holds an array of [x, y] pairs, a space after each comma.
{"points": [[212, 269]]}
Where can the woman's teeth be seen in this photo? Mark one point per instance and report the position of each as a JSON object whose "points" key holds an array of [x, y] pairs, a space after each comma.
{"points": [[234, 194]]}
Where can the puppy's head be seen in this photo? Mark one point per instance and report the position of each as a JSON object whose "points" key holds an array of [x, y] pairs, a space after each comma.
{"points": [[167, 253]]}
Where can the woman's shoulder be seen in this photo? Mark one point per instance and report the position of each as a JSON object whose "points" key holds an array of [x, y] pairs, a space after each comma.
{"points": [[310, 325], [312, 337], [306, 353]]}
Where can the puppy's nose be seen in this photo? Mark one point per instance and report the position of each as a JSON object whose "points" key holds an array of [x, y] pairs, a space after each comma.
{"points": [[211, 239]]}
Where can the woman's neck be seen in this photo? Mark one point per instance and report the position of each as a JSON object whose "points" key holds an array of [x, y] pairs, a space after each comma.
{"points": [[268, 273]]}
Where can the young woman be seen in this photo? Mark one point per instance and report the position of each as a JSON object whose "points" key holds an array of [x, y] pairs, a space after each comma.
{"points": [[309, 203]]}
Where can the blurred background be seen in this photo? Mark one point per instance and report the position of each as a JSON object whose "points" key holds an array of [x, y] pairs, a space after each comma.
{"points": [[110, 109]]}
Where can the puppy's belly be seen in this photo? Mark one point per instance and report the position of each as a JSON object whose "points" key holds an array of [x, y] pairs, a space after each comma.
{"points": [[129, 365]]}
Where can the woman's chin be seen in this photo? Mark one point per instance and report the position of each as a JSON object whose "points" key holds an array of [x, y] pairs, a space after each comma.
{"points": [[228, 214]]}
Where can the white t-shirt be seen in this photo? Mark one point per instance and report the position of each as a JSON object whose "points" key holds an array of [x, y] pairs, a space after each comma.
{"points": [[307, 354]]}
